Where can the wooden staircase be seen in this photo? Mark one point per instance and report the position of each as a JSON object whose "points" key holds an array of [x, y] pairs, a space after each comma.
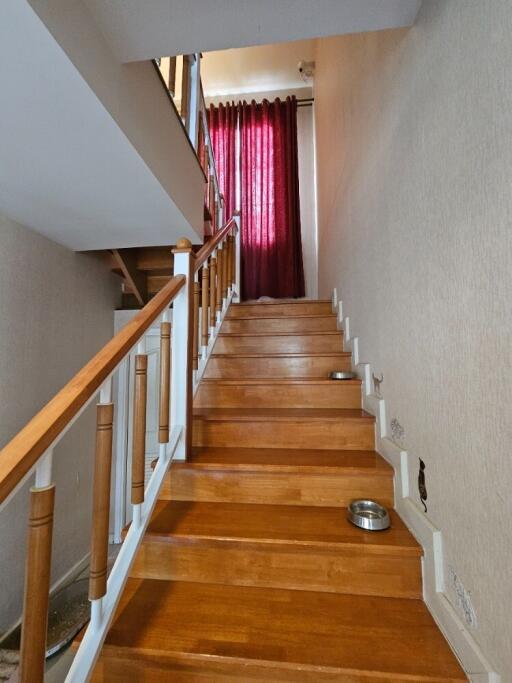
{"points": [[249, 570]]}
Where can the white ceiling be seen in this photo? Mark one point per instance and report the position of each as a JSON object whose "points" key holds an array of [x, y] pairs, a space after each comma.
{"points": [[137, 29], [255, 69], [67, 170]]}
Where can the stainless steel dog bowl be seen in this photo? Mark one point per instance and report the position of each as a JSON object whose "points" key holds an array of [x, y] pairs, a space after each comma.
{"points": [[369, 515], [338, 374]]}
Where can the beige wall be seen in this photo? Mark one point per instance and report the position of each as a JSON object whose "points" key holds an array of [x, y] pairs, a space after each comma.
{"points": [[414, 145], [56, 311]]}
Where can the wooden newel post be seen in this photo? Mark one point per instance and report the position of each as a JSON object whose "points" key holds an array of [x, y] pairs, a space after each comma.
{"points": [[139, 429], [37, 584], [165, 382], [101, 501], [213, 296]]}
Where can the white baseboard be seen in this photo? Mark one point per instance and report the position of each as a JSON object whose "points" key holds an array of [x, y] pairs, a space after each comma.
{"points": [[455, 631]]}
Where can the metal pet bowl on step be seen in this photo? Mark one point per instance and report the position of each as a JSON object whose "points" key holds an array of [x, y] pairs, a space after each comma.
{"points": [[338, 374], [368, 515]]}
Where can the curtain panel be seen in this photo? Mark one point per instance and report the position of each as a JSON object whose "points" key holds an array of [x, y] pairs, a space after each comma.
{"points": [[269, 192], [223, 123]]}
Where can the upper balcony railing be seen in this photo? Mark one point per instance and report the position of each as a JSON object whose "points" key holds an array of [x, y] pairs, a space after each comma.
{"points": [[199, 293], [191, 108]]}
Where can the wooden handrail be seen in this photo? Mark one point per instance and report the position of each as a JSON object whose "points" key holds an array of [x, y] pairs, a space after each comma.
{"points": [[210, 246], [23, 451]]}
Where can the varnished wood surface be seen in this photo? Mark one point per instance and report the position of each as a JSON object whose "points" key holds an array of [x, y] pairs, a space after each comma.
{"points": [[101, 501], [37, 584], [283, 428], [231, 366], [218, 287], [18, 456], [156, 281], [280, 324], [335, 633], [139, 428], [321, 527], [213, 290], [165, 382], [249, 569], [288, 460], [126, 261], [205, 294], [278, 546], [195, 342], [276, 393], [279, 307], [323, 342], [283, 414], [208, 248], [155, 258], [345, 569], [280, 476]]}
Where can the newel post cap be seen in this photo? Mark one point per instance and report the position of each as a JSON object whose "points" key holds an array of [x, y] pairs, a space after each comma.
{"points": [[183, 245]]}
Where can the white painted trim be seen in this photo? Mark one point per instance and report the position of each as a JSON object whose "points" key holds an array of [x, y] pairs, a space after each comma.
{"points": [[471, 657]]}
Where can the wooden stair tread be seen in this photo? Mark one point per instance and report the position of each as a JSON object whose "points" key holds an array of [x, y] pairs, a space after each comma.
{"points": [[278, 380], [306, 354], [319, 527], [282, 414], [280, 302], [312, 333], [300, 316], [298, 630], [287, 459]]}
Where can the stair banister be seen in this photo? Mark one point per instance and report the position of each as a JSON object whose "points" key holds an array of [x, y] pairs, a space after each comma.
{"points": [[30, 452], [217, 259]]}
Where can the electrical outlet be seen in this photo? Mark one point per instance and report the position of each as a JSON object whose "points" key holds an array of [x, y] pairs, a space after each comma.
{"points": [[463, 599]]}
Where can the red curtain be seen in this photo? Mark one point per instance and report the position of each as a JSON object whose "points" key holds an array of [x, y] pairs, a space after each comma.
{"points": [[270, 205], [222, 122]]}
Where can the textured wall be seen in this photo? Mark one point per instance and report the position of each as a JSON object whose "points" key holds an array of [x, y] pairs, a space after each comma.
{"points": [[414, 145], [56, 312]]}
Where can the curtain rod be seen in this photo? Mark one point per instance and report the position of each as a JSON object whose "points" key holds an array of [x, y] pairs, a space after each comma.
{"points": [[305, 102]]}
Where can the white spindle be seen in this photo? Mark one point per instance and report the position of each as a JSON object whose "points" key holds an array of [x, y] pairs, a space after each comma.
{"points": [[44, 470]]}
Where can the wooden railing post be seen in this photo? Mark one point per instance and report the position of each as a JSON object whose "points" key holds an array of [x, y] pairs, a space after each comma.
{"points": [[196, 323], [181, 349], [213, 290], [204, 309], [101, 501], [165, 382], [139, 433], [220, 271], [37, 584], [231, 249], [225, 265]]}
